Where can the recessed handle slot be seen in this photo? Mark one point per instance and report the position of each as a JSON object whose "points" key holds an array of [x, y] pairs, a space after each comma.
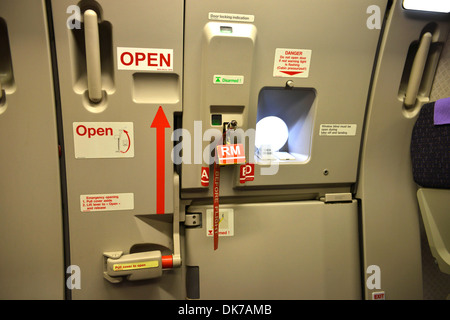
{"points": [[7, 84]]}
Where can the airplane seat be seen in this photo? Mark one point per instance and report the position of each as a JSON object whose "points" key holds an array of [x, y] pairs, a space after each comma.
{"points": [[430, 157]]}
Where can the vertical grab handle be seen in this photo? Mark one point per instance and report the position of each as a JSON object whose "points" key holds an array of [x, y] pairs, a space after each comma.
{"points": [[92, 43], [417, 70]]}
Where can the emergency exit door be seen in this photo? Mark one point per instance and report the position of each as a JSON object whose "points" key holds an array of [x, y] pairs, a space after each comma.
{"points": [[120, 69], [307, 64]]}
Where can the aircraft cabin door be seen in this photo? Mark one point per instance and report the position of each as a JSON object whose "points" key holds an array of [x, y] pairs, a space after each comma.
{"points": [[120, 75], [288, 82]]}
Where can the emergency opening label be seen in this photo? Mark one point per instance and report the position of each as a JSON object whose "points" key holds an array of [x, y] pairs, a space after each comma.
{"points": [[106, 202], [337, 130], [103, 140], [292, 63]]}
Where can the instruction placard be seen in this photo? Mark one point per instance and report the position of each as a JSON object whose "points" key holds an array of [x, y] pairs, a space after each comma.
{"points": [[106, 202], [228, 79], [226, 222], [135, 265], [103, 140], [337, 130], [292, 63], [144, 59], [234, 17]]}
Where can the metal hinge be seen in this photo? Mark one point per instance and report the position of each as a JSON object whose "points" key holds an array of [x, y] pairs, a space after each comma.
{"points": [[193, 220], [337, 197]]}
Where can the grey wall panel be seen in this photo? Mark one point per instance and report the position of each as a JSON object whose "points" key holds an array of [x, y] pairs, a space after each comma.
{"points": [[291, 250], [342, 48], [31, 239], [390, 216]]}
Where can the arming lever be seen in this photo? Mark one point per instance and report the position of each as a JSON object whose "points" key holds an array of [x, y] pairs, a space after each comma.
{"points": [[227, 128]]}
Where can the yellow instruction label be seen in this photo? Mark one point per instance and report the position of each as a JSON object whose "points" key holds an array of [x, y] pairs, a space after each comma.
{"points": [[134, 266]]}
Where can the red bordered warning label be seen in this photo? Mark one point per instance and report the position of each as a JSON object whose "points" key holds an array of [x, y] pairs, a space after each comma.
{"points": [[145, 59], [247, 172], [106, 202], [205, 176], [292, 63]]}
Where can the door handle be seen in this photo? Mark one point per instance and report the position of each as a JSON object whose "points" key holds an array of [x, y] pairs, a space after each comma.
{"points": [[148, 264], [93, 65], [417, 68], [136, 266]]}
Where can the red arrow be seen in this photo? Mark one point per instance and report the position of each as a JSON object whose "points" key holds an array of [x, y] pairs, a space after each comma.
{"points": [[291, 73], [129, 142], [160, 123]]}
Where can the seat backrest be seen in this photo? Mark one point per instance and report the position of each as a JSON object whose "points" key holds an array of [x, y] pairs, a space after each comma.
{"points": [[430, 157], [430, 150]]}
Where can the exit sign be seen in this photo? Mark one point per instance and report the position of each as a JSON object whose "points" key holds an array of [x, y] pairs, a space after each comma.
{"points": [[378, 295]]}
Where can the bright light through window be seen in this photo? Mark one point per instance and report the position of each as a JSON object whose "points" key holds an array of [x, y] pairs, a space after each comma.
{"points": [[427, 5], [271, 131]]}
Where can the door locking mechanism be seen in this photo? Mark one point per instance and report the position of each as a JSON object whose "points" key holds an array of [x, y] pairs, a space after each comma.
{"points": [[147, 264]]}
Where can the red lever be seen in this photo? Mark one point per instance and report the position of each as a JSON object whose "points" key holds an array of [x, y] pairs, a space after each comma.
{"points": [[167, 261]]}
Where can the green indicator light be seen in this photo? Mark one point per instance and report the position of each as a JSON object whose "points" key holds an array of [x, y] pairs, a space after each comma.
{"points": [[216, 119], [226, 29]]}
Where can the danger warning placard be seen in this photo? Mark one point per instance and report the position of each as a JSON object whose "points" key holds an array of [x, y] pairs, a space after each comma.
{"points": [[292, 63]]}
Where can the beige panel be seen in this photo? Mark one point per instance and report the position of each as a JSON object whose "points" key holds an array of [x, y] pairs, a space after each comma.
{"points": [[31, 240], [342, 57], [291, 250], [390, 216]]}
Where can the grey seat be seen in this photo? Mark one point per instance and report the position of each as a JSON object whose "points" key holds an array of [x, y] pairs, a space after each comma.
{"points": [[430, 157]]}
